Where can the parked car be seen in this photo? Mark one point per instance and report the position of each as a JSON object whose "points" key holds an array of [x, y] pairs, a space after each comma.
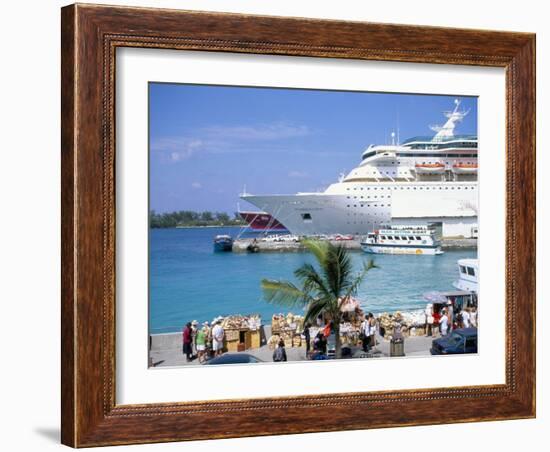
{"points": [[234, 358], [331, 345], [463, 340]]}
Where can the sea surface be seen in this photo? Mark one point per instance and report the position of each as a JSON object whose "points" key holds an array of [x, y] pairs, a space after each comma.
{"points": [[189, 281]]}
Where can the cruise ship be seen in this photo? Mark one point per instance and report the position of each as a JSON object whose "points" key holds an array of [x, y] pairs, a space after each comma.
{"points": [[420, 181]]}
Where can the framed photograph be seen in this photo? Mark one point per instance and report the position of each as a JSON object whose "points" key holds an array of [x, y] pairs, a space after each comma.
{"points": [[267, 219]]}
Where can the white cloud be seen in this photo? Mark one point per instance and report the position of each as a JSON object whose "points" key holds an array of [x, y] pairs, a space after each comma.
{"points": [[196, 185], [177, 148], [218, 139], [262, 132]]}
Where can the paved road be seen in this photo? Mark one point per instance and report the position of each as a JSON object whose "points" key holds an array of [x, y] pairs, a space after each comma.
{"points": [[414, 346]]}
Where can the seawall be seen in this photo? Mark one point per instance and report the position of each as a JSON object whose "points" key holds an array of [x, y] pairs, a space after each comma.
{"points": [[241, 245]]}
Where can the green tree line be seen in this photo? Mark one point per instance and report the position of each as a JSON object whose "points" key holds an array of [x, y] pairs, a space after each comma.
{"points": [[191, 218]]}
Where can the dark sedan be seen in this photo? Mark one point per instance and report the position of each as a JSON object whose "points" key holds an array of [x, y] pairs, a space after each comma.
{"points": [[234, 358], [459, 341]]}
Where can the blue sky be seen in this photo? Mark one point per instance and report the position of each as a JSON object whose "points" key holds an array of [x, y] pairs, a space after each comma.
{"points": [[208, 142]]}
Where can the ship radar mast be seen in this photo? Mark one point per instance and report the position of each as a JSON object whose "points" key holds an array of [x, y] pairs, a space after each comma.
{"points": [[453, 118]]}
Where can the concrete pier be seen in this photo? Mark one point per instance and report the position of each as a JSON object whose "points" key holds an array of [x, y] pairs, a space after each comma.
{"points": [[241, 245], [166, 350]]}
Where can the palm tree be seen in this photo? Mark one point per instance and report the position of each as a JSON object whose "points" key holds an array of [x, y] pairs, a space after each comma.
{"points": [[323, 291]]}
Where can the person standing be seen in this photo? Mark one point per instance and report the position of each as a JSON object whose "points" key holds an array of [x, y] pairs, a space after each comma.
{"points": [[307, 337], [372, 331], [208, 344], [473, 317], [187, 347], [428, 327], [194, 329], [218, 335], [320, 343], [465, 318], [365, 334], [450, 316], [435, 326], [279, 355], [444, 323], [200, 341], [327, 329]]}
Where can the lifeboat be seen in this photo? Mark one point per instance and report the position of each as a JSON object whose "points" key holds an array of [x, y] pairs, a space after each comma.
{"points": [[430, 168], [465, 168]]}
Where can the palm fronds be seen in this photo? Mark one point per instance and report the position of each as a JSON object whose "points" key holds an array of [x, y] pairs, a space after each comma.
{"points": [[311, 280], [314, 309], [284, 293], [318, 248], [320, 289]]}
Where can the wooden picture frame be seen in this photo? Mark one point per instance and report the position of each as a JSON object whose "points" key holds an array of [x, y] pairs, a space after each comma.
{"points": [[90, 36]]}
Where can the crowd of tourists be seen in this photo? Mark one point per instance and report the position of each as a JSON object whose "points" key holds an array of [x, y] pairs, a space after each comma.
{"points": [[203, 343], [442, 322]]}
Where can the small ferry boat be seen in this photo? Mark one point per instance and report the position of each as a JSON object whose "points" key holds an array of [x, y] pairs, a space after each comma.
{"points": [[403, 240], [223, 243]]}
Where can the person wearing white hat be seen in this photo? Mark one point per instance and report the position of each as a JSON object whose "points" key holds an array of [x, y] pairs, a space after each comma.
{"points": [[218, 335], [194, 328]]}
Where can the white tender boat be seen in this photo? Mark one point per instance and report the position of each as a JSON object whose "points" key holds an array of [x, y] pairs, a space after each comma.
{"points": [[430, 168], [403, 240], [465, 168]]}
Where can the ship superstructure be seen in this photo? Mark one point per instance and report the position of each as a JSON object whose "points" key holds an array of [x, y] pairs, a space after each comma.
{"points": [[420, 181]]}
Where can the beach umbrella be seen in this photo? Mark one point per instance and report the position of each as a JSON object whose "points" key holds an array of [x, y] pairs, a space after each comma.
{"points": [[435, 297], [350, 304]]}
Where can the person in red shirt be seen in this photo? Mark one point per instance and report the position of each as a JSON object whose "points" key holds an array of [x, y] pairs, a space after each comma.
{"points": [[435, 326], [187, 349], [327, 329]]}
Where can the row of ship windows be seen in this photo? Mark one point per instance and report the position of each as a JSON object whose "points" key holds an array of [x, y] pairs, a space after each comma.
{"points": [[368, 196], [420, 188], [432, 161], [389, 237], [405, 154], [366, 205], [368, 188]]}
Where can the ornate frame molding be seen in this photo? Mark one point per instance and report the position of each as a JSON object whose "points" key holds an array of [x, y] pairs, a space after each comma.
{"points": [[90, 37]]}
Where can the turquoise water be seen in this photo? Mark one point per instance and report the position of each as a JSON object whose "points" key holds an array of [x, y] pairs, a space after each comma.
{"points": [[189, 281]]}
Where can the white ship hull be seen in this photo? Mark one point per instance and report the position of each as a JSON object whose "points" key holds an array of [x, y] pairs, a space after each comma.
{"points": [[359, 213]]}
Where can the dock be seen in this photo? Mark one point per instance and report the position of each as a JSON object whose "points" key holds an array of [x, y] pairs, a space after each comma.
{"points": [[166, 350], [241, 245]]}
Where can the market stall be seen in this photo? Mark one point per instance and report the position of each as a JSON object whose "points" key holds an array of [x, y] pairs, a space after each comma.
{"points": [[242, 332], [288, 327]]}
